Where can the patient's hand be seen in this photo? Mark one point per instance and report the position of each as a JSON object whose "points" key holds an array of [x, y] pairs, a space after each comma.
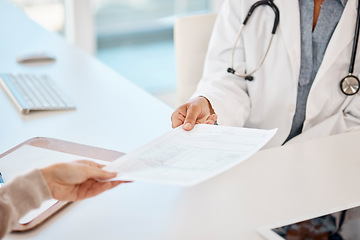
{"points": [[77, 180]]}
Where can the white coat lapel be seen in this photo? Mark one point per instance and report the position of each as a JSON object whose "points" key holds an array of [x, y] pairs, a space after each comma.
{"points": [[341, 38], [290, 31]]}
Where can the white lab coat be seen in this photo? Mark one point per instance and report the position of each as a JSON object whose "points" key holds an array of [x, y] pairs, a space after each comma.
{"points": [[269, 101]]}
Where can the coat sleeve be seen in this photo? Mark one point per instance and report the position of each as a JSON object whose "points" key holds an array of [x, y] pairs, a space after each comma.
{"points": [[19, 196], [226, 92]]}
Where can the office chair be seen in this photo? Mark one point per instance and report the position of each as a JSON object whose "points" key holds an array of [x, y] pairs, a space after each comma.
{"points": [[191, 37]]}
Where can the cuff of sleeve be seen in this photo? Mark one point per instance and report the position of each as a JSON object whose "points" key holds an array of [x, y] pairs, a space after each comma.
{"points": [[228, 114], [28, 191]]}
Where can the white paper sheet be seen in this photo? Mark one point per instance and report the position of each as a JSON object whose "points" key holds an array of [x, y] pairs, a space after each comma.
{"points": [[27, 158], [188, 158]]}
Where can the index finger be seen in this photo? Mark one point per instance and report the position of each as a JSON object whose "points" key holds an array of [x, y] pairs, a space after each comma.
{"points": [[97, 173], [178, 117], [90, 163]]}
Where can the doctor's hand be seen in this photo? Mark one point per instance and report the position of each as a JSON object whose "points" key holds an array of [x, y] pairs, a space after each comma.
{"points": [[77, 180], [195, 111]]}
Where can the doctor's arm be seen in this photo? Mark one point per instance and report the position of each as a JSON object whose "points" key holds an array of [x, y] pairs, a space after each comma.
{"points": [[220, 96]]}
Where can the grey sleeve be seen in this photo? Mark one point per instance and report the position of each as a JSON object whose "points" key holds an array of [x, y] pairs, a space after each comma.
{"points": [[19, 196]]}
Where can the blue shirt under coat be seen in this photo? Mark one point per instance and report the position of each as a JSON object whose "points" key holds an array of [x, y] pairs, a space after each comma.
{"points": [[313, 47]]}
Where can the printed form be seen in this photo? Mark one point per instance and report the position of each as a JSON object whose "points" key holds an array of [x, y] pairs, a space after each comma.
{"points": [[188, 158]]}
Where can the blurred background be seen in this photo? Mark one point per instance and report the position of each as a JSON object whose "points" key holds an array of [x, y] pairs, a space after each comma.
{"points": [[133, 37]]}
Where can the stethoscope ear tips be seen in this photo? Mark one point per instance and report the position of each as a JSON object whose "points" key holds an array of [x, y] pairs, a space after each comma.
{"points": [[231, 70], [249, 78]]}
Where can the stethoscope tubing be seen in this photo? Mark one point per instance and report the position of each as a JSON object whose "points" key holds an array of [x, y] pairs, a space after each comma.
{"points": [[349, 85], [271, 4], [248, 76], [260, 63], [356, 40]]}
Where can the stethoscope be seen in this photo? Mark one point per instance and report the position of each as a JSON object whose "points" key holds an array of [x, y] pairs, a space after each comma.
{"points": [[349, 85]]}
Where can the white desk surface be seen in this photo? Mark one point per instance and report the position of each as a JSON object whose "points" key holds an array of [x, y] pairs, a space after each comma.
{"points": [[111, 112], [273, 185]]}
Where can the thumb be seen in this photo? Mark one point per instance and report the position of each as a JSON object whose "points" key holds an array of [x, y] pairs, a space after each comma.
{"points": [[191, 117]]}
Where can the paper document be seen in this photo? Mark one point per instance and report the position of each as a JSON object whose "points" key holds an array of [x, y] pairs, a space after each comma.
{"points": [[188, 158]]}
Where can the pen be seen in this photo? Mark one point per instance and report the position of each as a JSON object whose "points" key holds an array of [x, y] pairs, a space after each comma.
{"points": [[1, 180]]}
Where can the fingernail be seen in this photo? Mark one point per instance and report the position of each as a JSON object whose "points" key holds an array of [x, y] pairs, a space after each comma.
{"points": [[187, 125]]}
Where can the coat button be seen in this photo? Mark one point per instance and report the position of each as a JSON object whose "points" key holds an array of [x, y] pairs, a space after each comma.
{"points": [[291, 108]]}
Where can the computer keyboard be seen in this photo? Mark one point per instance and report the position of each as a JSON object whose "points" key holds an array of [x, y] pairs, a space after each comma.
{"points": [[32, 92]]}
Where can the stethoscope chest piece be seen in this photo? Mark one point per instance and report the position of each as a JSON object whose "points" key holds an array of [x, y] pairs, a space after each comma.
{"points": [[350, 85]]}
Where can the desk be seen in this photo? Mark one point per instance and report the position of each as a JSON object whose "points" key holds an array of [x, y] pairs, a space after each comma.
{"points": [[111, 112], [273, 185]]}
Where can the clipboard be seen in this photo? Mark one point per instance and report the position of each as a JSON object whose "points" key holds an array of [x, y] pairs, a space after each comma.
{"points": [[65, 147]]}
